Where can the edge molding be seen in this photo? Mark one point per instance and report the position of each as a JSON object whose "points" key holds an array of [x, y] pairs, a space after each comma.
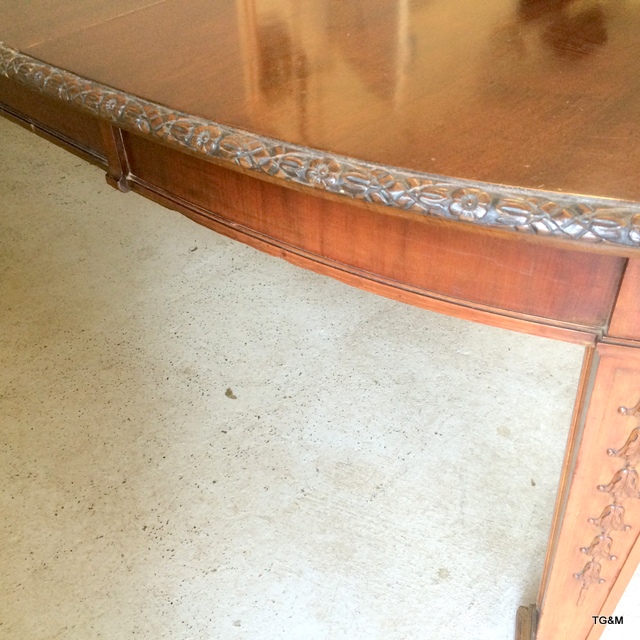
{"points": [[580, 218]]}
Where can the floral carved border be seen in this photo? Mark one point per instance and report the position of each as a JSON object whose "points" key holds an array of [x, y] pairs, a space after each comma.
{"points": [[624, 486], [534, 212]]}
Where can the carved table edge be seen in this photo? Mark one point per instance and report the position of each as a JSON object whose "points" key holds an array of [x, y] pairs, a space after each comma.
{"points": [[526, 623], [569, 217]]}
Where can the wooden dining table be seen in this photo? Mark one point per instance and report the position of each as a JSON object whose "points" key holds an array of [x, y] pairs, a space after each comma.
{"points": [[478, 159]]}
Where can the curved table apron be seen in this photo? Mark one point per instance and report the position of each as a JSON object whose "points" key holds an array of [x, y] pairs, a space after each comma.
{"points": [[561, 266]]}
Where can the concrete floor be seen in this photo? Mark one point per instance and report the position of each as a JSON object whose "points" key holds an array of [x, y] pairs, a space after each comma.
{"points": [[199, 441]]}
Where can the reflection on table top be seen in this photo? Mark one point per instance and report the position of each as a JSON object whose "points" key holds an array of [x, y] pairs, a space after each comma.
{"points": [[533, 93]]}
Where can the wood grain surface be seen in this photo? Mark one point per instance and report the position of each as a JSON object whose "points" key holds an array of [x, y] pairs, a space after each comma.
{"points": [[33, 22], [594, 224], [525, 111], [427, 256], [533, 94], [50, 116]]}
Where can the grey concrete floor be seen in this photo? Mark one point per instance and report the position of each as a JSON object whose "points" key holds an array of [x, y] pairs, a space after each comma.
{"points": [[201, 441]]}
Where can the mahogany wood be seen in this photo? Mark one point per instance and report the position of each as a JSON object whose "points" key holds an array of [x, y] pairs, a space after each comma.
{"points": [[625, 322], [611, 380], [586, 223], [72, 127], [628, 567], [421, 254], [35, 21], [118, 161], [537, 94], [363, 280]]}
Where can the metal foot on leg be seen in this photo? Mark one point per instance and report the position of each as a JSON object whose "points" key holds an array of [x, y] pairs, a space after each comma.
{"points": [[526, 623]]}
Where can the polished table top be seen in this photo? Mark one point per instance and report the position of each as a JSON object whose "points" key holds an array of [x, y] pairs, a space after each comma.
{"points": [[540, 95], [474, 158]]}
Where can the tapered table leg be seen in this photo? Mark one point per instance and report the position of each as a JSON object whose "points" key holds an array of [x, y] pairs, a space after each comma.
{"points": [[594, 543]]}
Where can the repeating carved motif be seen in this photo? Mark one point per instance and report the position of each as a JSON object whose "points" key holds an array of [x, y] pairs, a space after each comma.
{"points": [[600, 548], [589, 575], [526, 211], [625, 485], [631, 449], [630, 411], [611, 519]]}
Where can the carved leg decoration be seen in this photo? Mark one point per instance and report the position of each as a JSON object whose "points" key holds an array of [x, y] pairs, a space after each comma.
{"points": [[598, 507]]}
